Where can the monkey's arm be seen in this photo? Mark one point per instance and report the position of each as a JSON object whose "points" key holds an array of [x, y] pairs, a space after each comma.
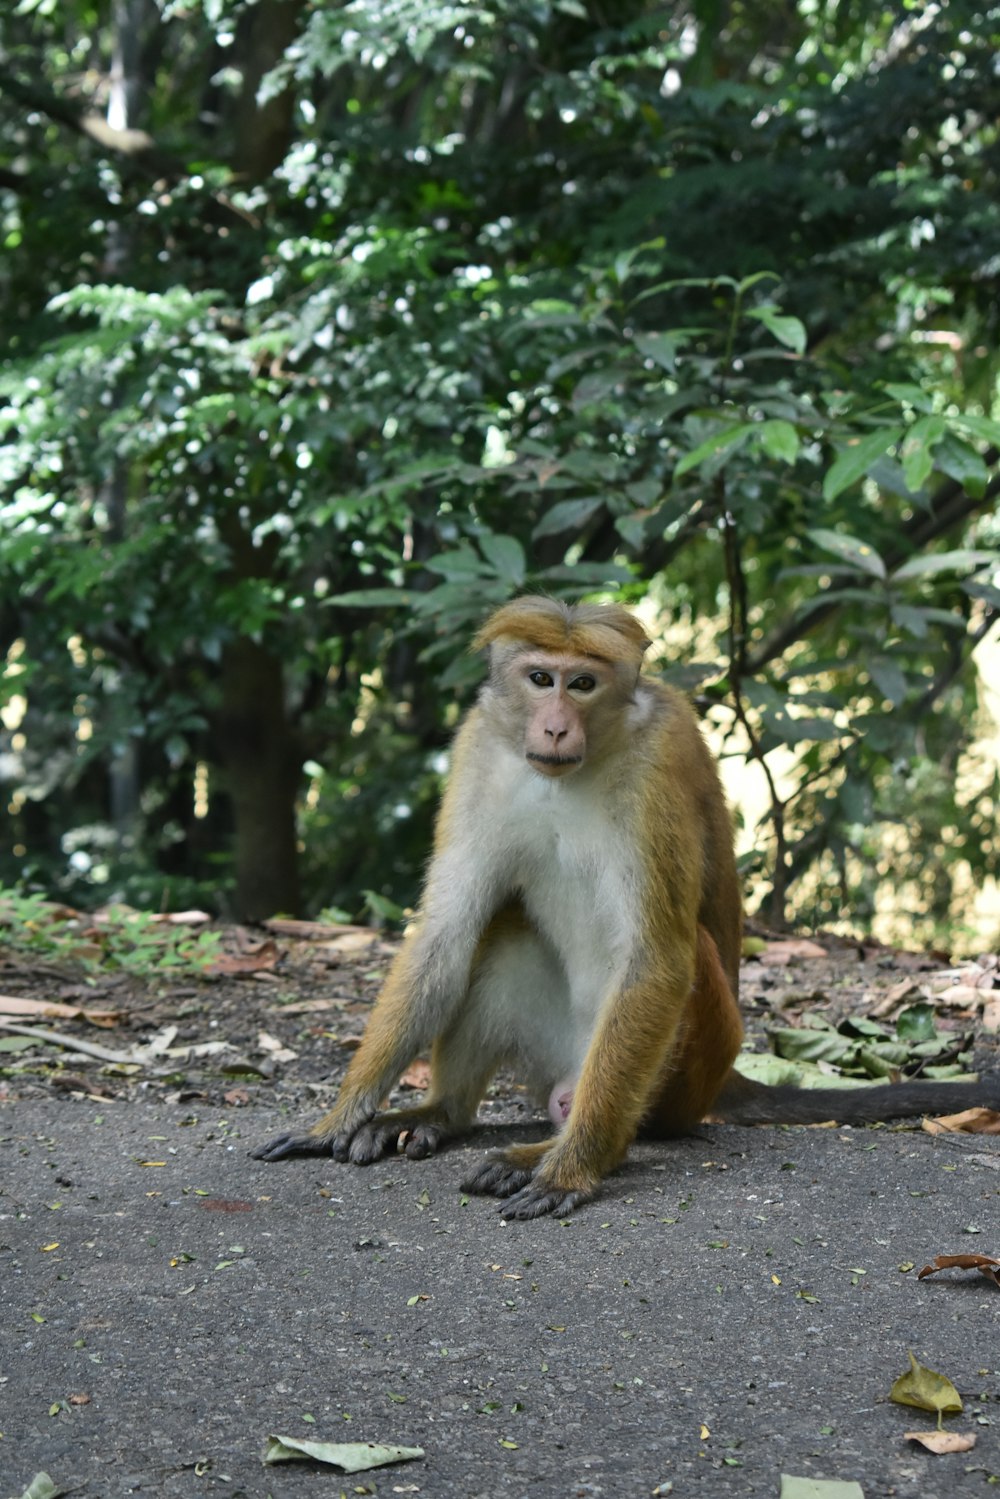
{"points": [[401, 1024], [426, 986]]}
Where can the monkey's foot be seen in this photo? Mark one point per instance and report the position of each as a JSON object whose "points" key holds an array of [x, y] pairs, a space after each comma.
{"points": [[538, 1198], [524, 1179], [496, 1176]]}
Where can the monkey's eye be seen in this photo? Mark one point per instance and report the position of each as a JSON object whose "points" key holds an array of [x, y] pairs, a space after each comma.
{"points": [[540, 678], [583, 684]]}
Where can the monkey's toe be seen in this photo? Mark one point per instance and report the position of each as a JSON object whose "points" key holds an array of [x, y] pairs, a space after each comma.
{"points": [[496, 1177], [283, 1147], [536, 1199]]}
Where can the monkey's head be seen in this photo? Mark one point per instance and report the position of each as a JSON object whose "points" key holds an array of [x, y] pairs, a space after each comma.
{"points": [[560, 676]]}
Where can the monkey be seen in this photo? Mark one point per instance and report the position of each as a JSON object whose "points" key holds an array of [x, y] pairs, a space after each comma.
{"points": [[582, 920]]}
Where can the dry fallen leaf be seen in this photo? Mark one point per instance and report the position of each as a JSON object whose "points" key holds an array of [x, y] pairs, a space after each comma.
{"points": [[181, 918], [986, 1264], [352, 1457], [786, 950], [968, 1122], [287, 926], [262, 958], [358, 939], [905, 991], [927, 1390], [991, 1016], [275, 1048], [12, 1005], [941, 1441], [418, 1075]]}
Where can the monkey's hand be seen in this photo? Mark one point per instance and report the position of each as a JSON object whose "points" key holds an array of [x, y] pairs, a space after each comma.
{"points": [[415, 1132], [284, 1146], [529, 1184]]}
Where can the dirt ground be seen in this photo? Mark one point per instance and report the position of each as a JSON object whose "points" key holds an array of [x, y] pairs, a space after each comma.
{"points": [[732, 1308]]}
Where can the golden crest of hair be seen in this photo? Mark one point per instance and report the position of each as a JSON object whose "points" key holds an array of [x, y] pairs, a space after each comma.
{"points": [[608, 632]]}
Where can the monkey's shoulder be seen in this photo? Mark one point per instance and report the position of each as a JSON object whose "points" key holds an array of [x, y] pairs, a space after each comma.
{"points": [[661, 711]]}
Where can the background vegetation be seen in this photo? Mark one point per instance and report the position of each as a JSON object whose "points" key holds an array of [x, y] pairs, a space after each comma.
{"points": [[328, 325]]}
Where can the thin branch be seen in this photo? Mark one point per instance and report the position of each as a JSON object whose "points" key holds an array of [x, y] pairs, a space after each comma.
{"points": [[737, 627]]}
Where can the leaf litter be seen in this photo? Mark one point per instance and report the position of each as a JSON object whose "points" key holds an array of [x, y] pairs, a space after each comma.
{"points": [[350, 1457]]}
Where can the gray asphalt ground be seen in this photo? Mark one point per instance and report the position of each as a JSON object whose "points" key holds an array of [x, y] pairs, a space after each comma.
{"points": [[733, 1307]]}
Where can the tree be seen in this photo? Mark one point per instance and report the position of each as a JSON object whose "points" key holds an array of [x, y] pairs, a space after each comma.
{"points": [[360, 318]]}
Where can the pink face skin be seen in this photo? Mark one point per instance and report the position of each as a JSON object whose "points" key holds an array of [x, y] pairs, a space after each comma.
{"points": [[561, 1101], [559, 691]]}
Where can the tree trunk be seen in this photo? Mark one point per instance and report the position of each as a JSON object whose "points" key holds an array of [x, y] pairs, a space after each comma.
{"points": [[262, 763], [263, 131]]}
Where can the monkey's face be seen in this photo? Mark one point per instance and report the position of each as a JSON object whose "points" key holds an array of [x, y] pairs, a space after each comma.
{"points": [[562, 703]]}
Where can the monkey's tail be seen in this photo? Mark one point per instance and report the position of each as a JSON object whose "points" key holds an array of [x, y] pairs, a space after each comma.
{"points": [[743, 1101]]}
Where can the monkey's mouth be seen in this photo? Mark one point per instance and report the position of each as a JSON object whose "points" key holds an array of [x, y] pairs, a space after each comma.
{"points": [[555, 762]]}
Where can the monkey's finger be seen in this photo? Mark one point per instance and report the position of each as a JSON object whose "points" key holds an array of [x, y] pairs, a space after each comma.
{"points": [[536, 1199], [282, 1147], [495, 1177], [374, 1140]]}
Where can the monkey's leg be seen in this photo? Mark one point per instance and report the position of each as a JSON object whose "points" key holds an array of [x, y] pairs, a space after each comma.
{"points": [[709, 1039], [634, 1037]]}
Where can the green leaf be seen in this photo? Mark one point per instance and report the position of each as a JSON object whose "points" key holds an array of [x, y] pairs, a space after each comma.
{"points": [[963, 464], [858, 554], [567, 515], [819, 1488], [460, 565], [964, 560], [506, 554], [910, 395], [926, 1390], [373, 598], [854, 461], [787, 330], [803, 1045], [917, 452], [982, 427], [889, 679], [42, 1487], [661, 348], [916, 1023], [727, 439], [779, 440], [351, 1457]]}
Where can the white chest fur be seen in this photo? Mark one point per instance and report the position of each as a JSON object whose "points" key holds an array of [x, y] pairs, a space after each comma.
{"points": [[564, 855]]}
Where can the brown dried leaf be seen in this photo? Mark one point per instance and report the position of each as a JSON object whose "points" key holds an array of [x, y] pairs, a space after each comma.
{"points": [[264, 957], [182, 918], [418, 1075], [357, 939], [10, 1005], [968, 1122], [788, 949], [941, 1441], [286, 926], [307, 1007], [991, 1016], [903, 992], [960, 997], [986, 1264]]}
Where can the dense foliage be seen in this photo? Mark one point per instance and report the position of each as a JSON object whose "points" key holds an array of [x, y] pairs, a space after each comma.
{"points": [[329, 325]]}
